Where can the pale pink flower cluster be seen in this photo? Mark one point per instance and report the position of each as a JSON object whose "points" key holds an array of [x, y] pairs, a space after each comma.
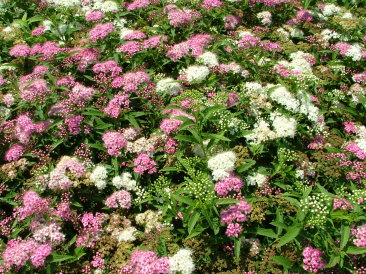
{"points": [[19, 251], [114, 142], [47, 50], [169, 125], [226, 185], [360, 236], [93, 16], [312, 259], [49, 234], [33, 204], [131, 81], [119, 101], [82, 57], [80, 94], [134, 35], [130, 48], [356, 150], [146, 262], [143, 163], [210, 4], [34, 90], [100, 31], [234, 215], [119, 199], [73, 124], [178, 17], [58, 179], [194, 46], [360, 78], [232, 21]]}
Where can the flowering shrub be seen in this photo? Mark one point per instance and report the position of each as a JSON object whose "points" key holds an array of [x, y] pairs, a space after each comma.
{"points": [[202, 136]]}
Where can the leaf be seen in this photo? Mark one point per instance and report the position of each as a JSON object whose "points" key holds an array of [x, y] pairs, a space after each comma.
{"points": [[192, 221], [216, 136], [186, 138], [291, 234], [285, 262], [334, 260], [237, 246], [184, 200], [356, 250], [60, 257], [226, 201], [248, 164], [345, 232], [266, 232]]}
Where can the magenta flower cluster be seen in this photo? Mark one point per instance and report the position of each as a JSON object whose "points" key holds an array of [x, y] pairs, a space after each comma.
{"points": [[312, 259], [146, 262], [235, 215], [119, 199], [223, 187], [143, 163], [114, 142]]}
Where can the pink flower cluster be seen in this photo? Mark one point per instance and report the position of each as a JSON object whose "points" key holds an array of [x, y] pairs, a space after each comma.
{"points": [[108, 67], [210, 4], [356, 150], [169, 125], [47, 50], [93, 16], [34, 90], [146, 262], [233, 216], [194, 46], [20, 51], [100, 31], [80, 94], [154, 41], [251, 41], [134, 35], [360, 78], [341, 203], [171, 146], [131, 81], [360, 236], [114, 142], [24, 128], [119, 101], [228, 184], [82, 57], [32, 205], [91, 228], [312, 259], [137, 4], [269, 3], [73, 124], [19, 251], [350, 127], [232, 21], [39, 31], [49, 234], [14, 153], [178, 17], [119, 199], [143, 163]]}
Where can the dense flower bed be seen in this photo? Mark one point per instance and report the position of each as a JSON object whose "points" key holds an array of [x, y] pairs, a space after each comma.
{"points": [[175, 136]]}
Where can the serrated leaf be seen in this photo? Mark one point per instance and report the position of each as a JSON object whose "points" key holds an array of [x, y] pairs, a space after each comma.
{"points": [[184, 200], [244, 167], [226, 201]]}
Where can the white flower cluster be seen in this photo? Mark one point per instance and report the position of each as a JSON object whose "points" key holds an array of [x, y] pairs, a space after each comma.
{"points": [[181, 262], [99, 176], [65, 3], [283, 126], [104, 6], [168, 86], [256, 179], [208, 59], [124, 180], [283, 96], [196, 74], [329, 34], [125, 235], [299, 61], [355, 52], [307, 108], [222, 164], [150, 219], [265, 17], [331, 9], [261, 133]]}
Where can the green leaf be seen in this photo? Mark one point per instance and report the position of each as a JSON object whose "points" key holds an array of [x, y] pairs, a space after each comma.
{"points": [[183, 199], [345, 232], [266, 232], [237, 246], [60, 258], [290, 235], [356, 250], [226, 201], [192, 221], [334, 260], [285, 262], [186, 138], [248, 164]]}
